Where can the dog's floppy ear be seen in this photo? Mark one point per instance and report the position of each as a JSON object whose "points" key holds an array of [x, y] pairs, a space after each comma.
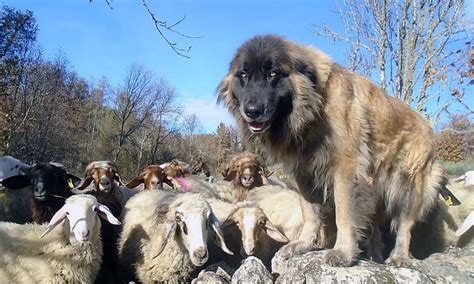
{"points": [[307, 70], [224, 90]]}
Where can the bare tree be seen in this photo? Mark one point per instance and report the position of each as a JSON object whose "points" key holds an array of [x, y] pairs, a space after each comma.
{"points": [[418, 50], [164, 29], [133, 104]]}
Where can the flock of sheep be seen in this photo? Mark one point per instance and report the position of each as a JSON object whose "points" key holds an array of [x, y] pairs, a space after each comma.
{"points": [[165, 224]]}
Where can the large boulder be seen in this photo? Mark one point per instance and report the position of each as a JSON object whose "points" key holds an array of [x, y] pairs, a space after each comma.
{"points": [[455, 265]]}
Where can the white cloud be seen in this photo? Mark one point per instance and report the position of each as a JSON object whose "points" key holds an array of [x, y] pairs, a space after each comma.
{"points": [[208, 113]]}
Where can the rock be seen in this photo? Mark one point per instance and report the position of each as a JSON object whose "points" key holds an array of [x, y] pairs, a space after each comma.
{"points": [[310, 268], [252, 270], [216, 273], [456, 265]]}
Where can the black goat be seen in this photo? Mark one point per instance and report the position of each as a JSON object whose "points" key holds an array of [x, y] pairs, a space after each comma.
{"points": [[50, 184]]}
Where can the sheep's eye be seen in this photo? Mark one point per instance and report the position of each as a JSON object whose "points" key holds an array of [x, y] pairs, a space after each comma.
{"points": [[178, 219], [67, 213], [243, 74]]}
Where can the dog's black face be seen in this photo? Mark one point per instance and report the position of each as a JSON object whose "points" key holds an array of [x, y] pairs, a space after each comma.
{"points": [[261, 82]]}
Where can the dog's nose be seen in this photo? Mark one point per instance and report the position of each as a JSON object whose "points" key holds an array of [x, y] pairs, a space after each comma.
{"points": [[253, 111]]}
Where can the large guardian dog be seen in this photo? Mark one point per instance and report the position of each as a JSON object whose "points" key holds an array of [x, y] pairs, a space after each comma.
{"points": [[336, 131]]}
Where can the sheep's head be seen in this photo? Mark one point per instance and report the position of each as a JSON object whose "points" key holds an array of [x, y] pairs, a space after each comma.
{"points": [[251, 221], [247, 170], [191, 222], [46, 180], [81, 212], [152, 176]]}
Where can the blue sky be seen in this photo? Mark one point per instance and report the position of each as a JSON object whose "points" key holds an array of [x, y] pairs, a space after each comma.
{"points": [[100, 42]]}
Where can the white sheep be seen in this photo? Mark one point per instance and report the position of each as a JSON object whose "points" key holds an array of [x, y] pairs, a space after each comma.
{"points": [[283, 209], [33, 253], [445, 225], [14, 204], [165, 236], [10, 166], [248, 232], [468, 178]]}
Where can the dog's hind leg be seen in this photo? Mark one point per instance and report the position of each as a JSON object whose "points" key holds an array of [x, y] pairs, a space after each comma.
{"points": [[400, 255]]}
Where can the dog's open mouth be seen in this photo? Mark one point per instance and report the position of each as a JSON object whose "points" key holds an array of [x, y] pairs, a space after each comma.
{"points": [[258, 127]]}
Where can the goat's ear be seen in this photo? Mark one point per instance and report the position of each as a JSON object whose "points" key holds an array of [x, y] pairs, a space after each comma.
{"points": [[225, 172], [274, 233], [220, 241], [118, 178], [56, 220], [104, 213], [73, 180], [230, 175], [16, 182], [168, 231], [84, 183], [135, 181]]}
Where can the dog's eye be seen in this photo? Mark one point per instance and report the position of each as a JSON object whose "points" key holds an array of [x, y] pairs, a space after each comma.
{"points": [[243, 74]]}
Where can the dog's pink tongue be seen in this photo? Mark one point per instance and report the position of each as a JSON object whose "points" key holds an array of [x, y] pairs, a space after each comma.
{"points": [[256, 125]]}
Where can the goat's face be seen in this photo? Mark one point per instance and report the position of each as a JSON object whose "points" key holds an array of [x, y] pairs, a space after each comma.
{"points": [[103, 178], [47, 180], [153, 178], [250, 176]]}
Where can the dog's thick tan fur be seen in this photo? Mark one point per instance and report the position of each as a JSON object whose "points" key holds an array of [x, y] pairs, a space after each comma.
{"points": [[335, 130]]}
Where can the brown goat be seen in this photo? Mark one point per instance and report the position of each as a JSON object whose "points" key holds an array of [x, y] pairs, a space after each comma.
{"points": [[175, 169], [152, 176], [103, 173], [247, 171]]}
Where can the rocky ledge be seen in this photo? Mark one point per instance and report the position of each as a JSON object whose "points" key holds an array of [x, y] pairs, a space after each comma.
{"points": [[453, 266]]}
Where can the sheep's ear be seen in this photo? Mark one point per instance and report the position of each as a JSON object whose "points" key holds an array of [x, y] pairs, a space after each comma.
{"points": [[168, 231], [466, 225], [273, 233], [16, 182], [135, 181], [230, 175], [104, 213], [56, 220], [460, 178], [220, 241]]}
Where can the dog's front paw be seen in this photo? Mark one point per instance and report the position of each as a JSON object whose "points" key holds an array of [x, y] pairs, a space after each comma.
{"points": [[399, 261], [335, 257], [296, 248]]}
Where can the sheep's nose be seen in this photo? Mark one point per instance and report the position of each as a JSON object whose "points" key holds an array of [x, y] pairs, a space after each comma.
{"points": [[253, 111], [200, 253], [249, 249]]}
